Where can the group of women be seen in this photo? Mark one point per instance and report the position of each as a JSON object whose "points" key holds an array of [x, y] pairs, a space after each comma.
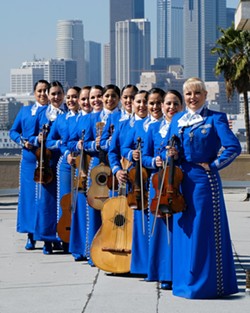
{"points": [[105, 145]]}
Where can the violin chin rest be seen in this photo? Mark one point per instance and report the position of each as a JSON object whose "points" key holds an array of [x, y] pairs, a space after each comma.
{"points": [[163, 208]]}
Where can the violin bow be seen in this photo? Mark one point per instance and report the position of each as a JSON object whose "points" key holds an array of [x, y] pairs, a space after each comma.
{"points": [[79, 171], [142, 192], [41, 162], [159, 197], [111, 131], [158, 202]]}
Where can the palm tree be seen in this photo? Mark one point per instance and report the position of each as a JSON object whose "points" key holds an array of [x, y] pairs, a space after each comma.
{"points": [[233, 49]]}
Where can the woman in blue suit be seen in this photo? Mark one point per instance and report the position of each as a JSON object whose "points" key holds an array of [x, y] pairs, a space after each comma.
{"points": [[203, 265], [160, 232], [46, 197], [22, 129], [56, 142], [76, 129]]}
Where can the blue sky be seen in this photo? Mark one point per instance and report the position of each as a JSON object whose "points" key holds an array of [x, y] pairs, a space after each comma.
{"points": [[28, 28]]}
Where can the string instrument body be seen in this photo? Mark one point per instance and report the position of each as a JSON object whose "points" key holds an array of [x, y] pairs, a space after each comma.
{"points": [[138, 178], [68, 203], [82, 163], [99, 190], [168, 198], [112, 244], [43, 173], [64, 224]]}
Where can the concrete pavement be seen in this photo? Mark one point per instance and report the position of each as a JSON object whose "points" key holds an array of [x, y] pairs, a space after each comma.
{"points": [[31, 282]]}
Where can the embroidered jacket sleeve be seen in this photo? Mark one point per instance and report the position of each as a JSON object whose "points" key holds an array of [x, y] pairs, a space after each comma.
{"points": [[16, 129], [230, 144], [105, 137], [114, 154], [148, 159], [53, 141], [128, 144]]}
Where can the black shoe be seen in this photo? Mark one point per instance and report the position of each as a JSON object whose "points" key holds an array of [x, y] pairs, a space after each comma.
{"points": [[57, 245], [47, 248], [78, 257], [30, 244], [166, 285], [65, 247]]}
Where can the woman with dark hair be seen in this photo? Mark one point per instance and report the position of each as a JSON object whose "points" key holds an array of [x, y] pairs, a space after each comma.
{"points": [[46, 195], [127, 96], [57, 142], [160, 236], [22, 129]]}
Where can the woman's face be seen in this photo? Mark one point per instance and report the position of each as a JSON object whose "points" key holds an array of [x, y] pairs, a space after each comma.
{"points": [[194, 98], [140, 107], [84, 101], [72, 100], [171, 105], [127, 99], [95, 99], [56, 96], [40, 94], [154, 105], [110, 99]]}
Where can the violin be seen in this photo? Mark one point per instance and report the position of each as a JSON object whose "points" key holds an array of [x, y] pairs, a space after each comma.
{"points": [[111, 247], [68, 204], [99, 190], [82, 164], [138, 197], [168, 199], [43, 173]]}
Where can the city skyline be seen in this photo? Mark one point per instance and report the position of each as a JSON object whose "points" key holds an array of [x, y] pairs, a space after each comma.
{"points": [[29, 31]]}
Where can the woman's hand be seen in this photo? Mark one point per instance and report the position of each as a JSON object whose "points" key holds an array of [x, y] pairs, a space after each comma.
{"points": [[71, 160], [205, 166], [122, 176], [136, 155], [41, 137], [28, 145], [80, 145], [97, 142], [158, 161], [172, 152]]}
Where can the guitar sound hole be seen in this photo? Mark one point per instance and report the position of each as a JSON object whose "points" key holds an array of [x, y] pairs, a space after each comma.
{"points": [[101, 179], [119, 220]]}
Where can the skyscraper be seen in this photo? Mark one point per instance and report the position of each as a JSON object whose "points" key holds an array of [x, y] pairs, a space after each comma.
{"points": [[121, 10], [93, 63], [170, 29], [201, 21], [132, 50], [70, 45]]}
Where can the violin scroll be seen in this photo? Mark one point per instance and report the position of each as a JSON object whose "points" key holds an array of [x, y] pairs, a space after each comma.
{"points": [[43, 172]]}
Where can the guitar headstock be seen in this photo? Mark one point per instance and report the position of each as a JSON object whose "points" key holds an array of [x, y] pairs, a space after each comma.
{"points": [[99, 128]]}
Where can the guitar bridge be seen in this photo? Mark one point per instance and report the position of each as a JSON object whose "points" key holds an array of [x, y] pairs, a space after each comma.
{"points": [[123, 250]]}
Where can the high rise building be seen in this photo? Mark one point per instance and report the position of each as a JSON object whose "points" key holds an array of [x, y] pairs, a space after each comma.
{"points": [[230, 16], [201, 21], [9, 107], [106, 64], [93, 63], [132, 50], [22, 80], [121, 10], [70, 45], [170, 29]]}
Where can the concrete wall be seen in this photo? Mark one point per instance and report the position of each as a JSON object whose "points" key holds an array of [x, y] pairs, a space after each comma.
{"points": [[239, 170], [9, 172]]}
